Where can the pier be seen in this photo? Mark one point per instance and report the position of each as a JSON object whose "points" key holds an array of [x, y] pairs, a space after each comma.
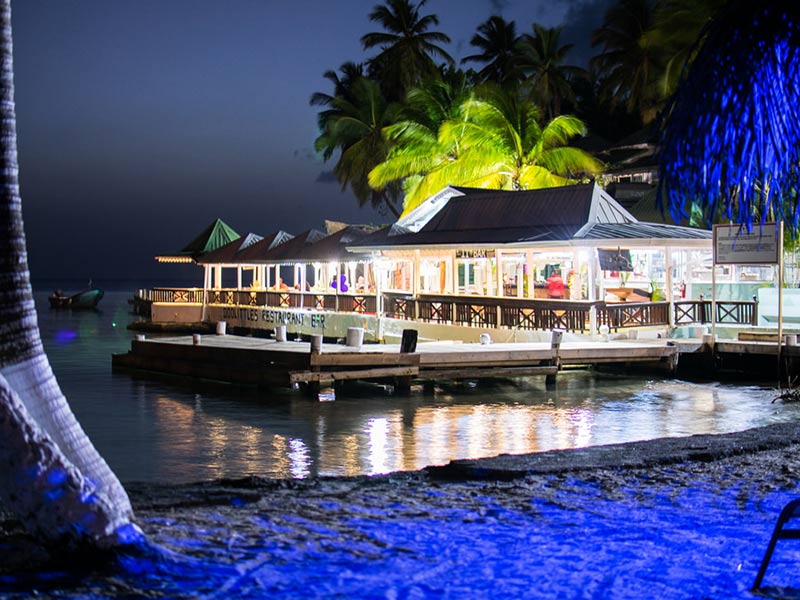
{"points": [[270, 363]]}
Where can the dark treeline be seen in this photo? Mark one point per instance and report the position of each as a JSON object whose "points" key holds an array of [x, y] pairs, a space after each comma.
{"points": [[409, 120]]}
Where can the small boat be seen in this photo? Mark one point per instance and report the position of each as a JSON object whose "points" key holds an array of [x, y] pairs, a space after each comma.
{"points": [[88, 298]]}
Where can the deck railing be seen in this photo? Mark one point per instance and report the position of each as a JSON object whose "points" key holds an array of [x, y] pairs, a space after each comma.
{"points": [[513, 313], [729, 312], [619, 315]]}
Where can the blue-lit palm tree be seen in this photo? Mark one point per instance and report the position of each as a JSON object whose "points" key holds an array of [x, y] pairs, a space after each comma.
{"points": [[731, 141], [51, 476]]}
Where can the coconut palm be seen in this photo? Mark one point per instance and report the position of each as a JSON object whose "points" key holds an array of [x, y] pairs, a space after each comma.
{"points": [[679, 25], [631, 63], [407, 48], [731, 142], [342, 85], [352, 126], [51, 476], [541, 59], [494, 142], [497, 41]]}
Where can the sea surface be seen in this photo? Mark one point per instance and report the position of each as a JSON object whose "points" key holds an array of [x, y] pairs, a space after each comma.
{"points": [[157, 430]]}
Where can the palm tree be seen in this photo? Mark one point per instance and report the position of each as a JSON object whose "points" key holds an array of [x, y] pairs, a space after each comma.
{"points": [[679, 25], [541, 59], [407, 47], [631, 63], [352, 126], [731, 139], [495, 142], [342, 85], [497, 41], [51, 477], [414, 139]]}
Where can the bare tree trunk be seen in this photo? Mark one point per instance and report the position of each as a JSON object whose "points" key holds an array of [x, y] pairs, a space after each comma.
{"points": [[51, 474]]}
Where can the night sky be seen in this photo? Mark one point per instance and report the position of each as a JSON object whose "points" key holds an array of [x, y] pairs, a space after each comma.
{"points": [[141, 122]]}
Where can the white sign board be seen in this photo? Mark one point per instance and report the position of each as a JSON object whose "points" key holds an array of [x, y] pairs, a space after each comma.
{"points": [[733, 245]]}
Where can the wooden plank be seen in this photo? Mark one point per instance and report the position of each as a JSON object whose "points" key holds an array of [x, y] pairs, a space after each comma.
{"points": [[366, 359], [478, 357], [486, 373], [302, 376], [485, 363], [622, 354]]}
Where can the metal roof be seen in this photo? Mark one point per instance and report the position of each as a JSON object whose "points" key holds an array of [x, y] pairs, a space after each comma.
{"points": [[561, 214], [290, 250], [332, 247], [639, 230], [245, 249]]}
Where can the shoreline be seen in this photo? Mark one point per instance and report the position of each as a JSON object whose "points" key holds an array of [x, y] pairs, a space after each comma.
{"points": [[696, 453]]}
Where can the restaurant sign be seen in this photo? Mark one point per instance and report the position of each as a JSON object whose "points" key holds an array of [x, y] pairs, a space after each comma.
{"points": [[475, 253], [734, 245]]}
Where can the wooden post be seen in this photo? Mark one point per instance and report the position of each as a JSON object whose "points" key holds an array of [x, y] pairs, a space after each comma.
{"points": [[555, 344], [408, 345], [313, 387]]}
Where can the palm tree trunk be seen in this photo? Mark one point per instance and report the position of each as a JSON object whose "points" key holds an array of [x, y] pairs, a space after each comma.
{"points": [[53, 477]]}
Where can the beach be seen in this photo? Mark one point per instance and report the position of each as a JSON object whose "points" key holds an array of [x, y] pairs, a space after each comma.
{"points": [[668, 518]]}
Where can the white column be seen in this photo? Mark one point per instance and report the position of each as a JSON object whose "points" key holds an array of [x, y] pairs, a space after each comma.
{"points": [[415, 274], [531, 277], [498, 268], [239, 277]]}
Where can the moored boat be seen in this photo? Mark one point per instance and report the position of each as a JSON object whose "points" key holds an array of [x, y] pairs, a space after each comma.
{"points": [[85, 299]]}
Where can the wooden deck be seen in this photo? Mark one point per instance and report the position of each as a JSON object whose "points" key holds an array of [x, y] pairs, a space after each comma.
{"points": [[259, 361]]}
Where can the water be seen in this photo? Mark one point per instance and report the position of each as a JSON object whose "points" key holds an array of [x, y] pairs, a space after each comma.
{"points": [[156, 430], [662, 532]]}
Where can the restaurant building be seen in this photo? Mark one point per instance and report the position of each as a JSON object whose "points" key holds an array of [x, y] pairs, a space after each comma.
{"points": [[471, 261]]}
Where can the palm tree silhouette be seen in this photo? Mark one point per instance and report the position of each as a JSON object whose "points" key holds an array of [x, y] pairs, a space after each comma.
{"points": [[497, 40], [407, 47]]}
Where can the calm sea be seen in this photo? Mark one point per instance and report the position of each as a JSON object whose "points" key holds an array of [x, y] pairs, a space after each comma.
{"points": [[157, 430]]}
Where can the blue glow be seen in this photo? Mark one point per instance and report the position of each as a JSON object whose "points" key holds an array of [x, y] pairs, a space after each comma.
{"points": [[65, 336], [56, 477], [633, 536], [732, 137]]}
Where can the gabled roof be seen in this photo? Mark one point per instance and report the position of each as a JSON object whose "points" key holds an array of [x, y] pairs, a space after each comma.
{"points": [[256, 253], [231, 251], [293, 248], [476, 216], [334, 246], [212, 237]]}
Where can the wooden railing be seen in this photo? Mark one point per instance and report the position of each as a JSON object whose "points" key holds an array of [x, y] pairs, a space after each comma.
{"points": [[729, 312], [618, 315], [546, 314], [399, 306], [191, 295], [476, 311]]}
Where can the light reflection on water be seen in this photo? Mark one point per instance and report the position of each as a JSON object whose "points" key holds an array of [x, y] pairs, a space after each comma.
{"points": [[152, 430]]}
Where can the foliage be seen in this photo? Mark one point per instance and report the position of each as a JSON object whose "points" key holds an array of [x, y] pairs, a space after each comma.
{"points": [[541, 59], [497, 41], [407, 47], [352, 124], [495, 141], [732, 136]]}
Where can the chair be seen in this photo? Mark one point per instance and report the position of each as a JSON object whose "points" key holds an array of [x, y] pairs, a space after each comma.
{"points": [[781, 532]]}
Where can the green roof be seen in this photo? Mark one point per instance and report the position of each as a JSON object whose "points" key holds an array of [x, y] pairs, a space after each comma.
{"points": [[214, 236]]}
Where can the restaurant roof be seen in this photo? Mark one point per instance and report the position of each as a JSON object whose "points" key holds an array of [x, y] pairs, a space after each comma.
{"points": [[475, 216], [216, 235], [245, 249], [293, 248], [334, 246]]}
